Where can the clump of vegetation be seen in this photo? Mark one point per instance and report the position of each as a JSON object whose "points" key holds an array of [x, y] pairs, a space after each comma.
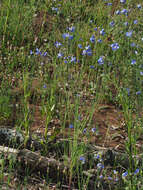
{"points": [[71, 77]]}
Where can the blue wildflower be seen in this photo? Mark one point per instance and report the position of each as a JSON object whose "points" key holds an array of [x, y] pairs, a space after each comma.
{"points": [[129, 34], [71, 29], [54, 9], [84, 130], [139, 6], [92, 67], [115, 172], [31, 52], [101, 61], [135, 22], [100, 166], [96, 156], [124, 11], [73, 59], [89, 52], [109, 4], [60, 55], [114, 46], [133, 61], [138, 92], [57, 44], [44, 54], [82, 159], [110, 178], [124, 174], [133, 44], [38, 51], [118, 12], [93, 130], [71, 126], [67, 35], [102, 32], [80, 46], [101, 176], [92, 39], [112, 23], [122, 1], [99, 41], [126, 23], [136, 171], [44, 86]]}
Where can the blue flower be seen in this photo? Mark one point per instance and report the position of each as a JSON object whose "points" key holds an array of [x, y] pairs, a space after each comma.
{"points": [[84, 130], [139, 6], [99, 41], [100, 166], [126, 23], [135, 21], [71, 29], [92, 39], [73, 59], [54, 9], [129, 34], [92, 67], [38, 51], [124, 11], [67, 35], [133, 44], [114, 46], [122, 1], [44, 86], [96, 156], [60, 55], [102, 32], [95, 29], [118, 12], [138, 92], [89, 52], [133, 61], [124, 174], [112, 23], [71, 126], [115, 172], [101, 61], [101, 176], [82, 159], [31, 52], [44, 54], [110, 178], [136, 171], [93, 130], [57, 44], [80, 46], [109, 4], [84, 52], [87, 47], [141, 73]]}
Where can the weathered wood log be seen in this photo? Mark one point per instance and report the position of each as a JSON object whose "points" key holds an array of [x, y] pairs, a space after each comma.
{"points": [[33, 160]]}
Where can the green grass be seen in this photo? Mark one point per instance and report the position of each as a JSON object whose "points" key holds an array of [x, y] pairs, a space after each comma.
{"points": [[69, 84]]}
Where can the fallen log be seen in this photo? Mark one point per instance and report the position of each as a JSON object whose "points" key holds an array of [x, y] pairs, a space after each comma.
{"points": [[33, 160]]}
